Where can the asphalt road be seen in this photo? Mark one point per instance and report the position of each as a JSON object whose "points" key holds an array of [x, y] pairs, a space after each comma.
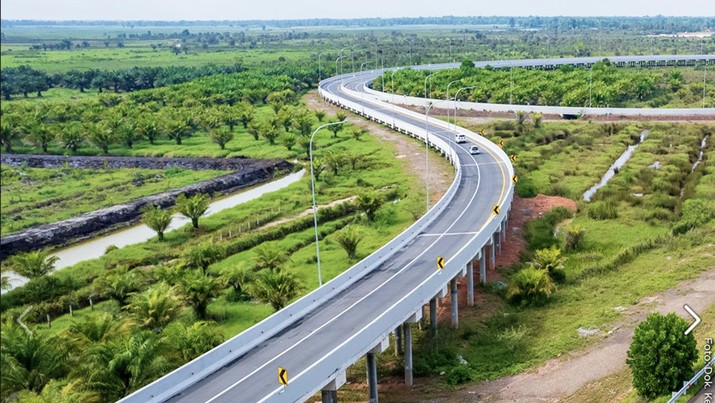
{"points": [[252, 377]]}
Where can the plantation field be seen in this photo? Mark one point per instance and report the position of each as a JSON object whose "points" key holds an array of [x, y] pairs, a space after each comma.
{"points": [[602, 86], [34, 196]]}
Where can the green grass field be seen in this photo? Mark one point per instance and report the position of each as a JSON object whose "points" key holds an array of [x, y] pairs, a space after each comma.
{"points": [[33, 196]]}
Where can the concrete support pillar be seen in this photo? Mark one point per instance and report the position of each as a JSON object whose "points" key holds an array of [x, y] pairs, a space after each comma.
{"points": [[398, 340], [372, 376], [483, 266], [491, 254], [433, 315], [498, 237], [371, 361], [407, 327], [408, 353], [454, 299], [470, 283], [329, 394]]}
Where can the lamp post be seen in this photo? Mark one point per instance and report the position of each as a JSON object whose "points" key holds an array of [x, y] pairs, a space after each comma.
{"points": [[590, 85], [457, 100], [341, 62], [427, 109], [448, 98], [336, 65], [320, 75], [312, 188], [427, 78], [361, 66]]}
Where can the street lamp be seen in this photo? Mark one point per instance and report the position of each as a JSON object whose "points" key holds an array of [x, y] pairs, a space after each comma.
{"points": [[320, 76], [457, 100], [312, 188], [590, 85], [427, 78], [427, 109], [448, 98], [336, 65], [361, 66]]}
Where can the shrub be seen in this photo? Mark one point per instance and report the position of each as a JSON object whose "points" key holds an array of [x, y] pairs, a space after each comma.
{"points": [[110, 248], [458, 375], [530, 286], [525, 188], [557, 190], [661, 355], [512, 337], [696, 212], [574, 238], [602, 210], [550, 260]]}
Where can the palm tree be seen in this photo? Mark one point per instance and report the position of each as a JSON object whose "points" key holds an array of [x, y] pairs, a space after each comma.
{"points": [[100, 136], [254, 129], [220, 136], [275, 287], [369, 204], [177, 129], [71, 136], [202, 256], [530, 286], [96, 329], [246, 113], [189, 342], [320, 115], [59, 392], [28, 360], [154, 308], [8, 134], [335, 129], [268, 257], [157, 219], [199, 290], [149, 129], [348, 238], [119, 286], [334, 161], [121, 366], [40, 135], [34, 264], [288, 140], [193, 207], [237, 277], [550, 260]]}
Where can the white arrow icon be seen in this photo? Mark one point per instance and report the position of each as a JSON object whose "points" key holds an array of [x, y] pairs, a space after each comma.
{"points": [[694, 315], [19, 319]]}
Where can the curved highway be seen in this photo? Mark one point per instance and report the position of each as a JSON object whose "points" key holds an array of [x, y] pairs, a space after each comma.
{"points": [[252, 378], [317, 337]]}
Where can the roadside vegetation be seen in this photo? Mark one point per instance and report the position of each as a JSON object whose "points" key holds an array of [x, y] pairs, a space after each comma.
{"points": [[603, 85]]}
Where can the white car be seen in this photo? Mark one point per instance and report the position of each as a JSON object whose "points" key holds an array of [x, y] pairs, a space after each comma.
{"points": [[474, 150], [460, 138]]}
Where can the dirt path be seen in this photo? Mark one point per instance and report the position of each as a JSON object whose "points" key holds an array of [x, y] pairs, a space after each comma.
{"points": [[441, 174], [562, 377]]}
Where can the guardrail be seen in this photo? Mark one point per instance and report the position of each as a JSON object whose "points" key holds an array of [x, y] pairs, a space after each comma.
{"points": [[691, 382], [313, 378], [559, 110], [211, 361]]}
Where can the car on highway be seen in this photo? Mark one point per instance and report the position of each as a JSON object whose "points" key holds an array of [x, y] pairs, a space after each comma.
{"points": [[460, 138], [474, 150]]}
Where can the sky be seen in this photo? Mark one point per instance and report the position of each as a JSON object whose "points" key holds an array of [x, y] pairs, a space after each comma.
{"points": [[302, 9]]}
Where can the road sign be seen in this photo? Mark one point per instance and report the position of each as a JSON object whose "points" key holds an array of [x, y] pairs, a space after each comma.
{"points": [[440, 262], [496, 209], [282, 376], [515, 179], [481, 132], [513, 157], [501, 143]]}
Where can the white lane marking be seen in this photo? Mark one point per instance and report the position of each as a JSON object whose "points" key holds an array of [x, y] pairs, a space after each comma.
{"points": [[479, 180], [449, 233], [484, 163]]}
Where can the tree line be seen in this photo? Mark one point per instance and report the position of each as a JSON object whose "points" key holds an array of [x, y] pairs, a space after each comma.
{"points": [[25, 80]]}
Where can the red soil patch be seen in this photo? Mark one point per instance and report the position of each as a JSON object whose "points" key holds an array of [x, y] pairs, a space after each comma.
{"points": [[522, 210]]}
